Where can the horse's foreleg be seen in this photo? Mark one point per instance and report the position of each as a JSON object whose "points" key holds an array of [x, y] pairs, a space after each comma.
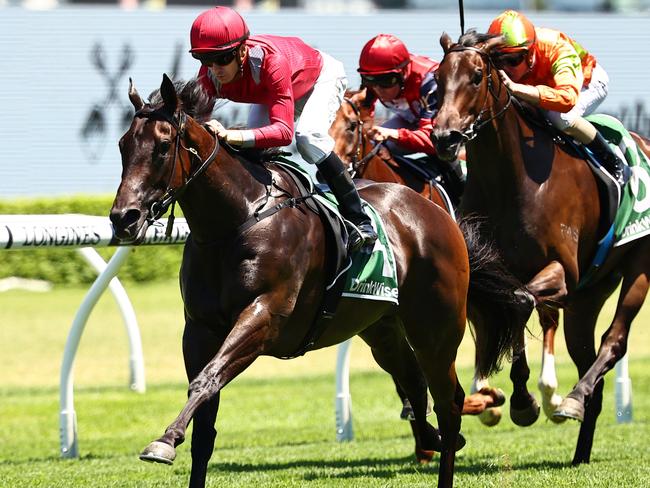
{"points": [[200, 345], [547, 383], [245, 342]]}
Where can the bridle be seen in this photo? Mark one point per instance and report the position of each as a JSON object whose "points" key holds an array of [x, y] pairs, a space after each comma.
{"points": [[178, 121], [472, 130], [358, 162]]}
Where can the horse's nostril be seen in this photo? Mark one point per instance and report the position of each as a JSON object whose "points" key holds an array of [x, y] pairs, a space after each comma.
{"points": [[124, 218]]}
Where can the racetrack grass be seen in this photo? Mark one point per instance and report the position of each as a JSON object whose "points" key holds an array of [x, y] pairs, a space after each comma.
{"points": [[276, 422]]}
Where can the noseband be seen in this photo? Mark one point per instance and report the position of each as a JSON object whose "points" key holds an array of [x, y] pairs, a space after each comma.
{"points": [[357, 163], [178, 121], [472, 131]]}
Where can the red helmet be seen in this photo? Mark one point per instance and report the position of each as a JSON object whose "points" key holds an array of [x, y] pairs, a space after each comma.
{"points": [[218, 29], [382, 54], [517, 31]]}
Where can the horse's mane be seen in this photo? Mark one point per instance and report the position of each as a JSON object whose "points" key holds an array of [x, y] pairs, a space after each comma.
{"points": [[199, 105], [194, 100], [471, 38]]}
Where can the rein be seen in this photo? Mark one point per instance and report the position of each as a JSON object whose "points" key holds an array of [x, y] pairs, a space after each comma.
{"points": [[356, 163], [171, 195], [472, 131]]}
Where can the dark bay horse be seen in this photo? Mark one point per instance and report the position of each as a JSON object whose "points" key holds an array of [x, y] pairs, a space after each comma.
{"points": [[542, 208], [252, 286], [375, 162]]}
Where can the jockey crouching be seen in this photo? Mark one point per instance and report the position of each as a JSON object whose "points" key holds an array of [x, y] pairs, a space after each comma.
{"points": [[405, 84], [287, 81], [546, 68]]}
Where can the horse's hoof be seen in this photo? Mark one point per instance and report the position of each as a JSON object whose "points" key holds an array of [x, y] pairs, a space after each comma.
{"points": [[570, 409], [158, 452], [499, 396], [424, 456], [490, 416], [551, 406], [527, 416]]}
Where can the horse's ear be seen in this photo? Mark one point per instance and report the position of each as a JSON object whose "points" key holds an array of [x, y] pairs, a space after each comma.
{"points": [[134, 96], [445, 42], [168, 92], [492, 43]]}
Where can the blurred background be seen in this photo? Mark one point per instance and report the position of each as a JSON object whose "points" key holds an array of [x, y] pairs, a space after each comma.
{"points": [[65, 66]]}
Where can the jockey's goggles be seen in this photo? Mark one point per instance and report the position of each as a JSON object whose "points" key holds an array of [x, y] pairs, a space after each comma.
{"points": [[510, 60], [384, 80], [219, 58]]}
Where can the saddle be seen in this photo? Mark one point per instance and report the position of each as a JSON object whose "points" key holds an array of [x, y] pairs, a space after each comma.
{"points": [[430, 169]]}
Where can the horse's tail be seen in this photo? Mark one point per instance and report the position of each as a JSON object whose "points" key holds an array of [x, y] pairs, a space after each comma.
{"points": [[494, 309]]}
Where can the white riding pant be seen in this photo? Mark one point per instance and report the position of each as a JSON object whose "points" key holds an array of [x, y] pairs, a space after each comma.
{"points": [[314, 112], [590, 97]]}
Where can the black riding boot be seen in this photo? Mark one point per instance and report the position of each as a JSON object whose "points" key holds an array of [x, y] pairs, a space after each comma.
{"points": [[612, 163], [340, 182]]}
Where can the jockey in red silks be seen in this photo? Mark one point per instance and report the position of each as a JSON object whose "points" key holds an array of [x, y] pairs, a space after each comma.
{"points": [[405, 84], [287, 82], [546, 68]]}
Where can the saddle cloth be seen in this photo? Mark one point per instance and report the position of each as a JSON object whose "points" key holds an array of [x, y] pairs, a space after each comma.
{"points": [[368, 273], [632, 219]]}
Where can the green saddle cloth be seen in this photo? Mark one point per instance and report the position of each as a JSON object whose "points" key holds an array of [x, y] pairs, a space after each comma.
{"points": [[372, 274], [633, 216]]}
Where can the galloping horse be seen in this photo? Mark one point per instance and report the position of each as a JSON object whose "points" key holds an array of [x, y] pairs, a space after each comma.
{"points": [[375, 162], [253, 274], [542, 207], [370, 161]]}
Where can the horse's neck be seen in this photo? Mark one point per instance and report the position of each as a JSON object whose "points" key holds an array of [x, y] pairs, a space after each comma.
{"points": [[496, 158], [222, 199]]}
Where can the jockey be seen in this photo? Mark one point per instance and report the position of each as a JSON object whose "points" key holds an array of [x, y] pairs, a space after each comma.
{"points": [[546, 68], [287, 81], [405, 84]]}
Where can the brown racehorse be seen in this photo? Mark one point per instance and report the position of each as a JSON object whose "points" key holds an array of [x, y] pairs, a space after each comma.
{"points": [[367, 160], [542, 207], [252, 285], [375, 162]]}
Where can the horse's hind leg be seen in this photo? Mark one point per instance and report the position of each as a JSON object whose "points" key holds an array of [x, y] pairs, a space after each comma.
{"points": [[436, 355], [549, 285], [393, 354], [549, 318]]}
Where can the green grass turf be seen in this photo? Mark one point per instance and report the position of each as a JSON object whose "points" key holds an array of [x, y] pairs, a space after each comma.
{"points": [[276, 422]]}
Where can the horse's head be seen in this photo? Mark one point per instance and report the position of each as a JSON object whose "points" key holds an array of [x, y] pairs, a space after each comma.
{"points": [[348, 129], [158, 154], [468, 85]]}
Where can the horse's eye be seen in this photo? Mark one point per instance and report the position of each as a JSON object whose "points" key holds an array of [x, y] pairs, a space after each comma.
{"points": [[478, 76], [353, 126], [164, 147]]}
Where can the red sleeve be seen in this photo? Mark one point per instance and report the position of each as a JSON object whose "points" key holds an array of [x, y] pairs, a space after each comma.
{"points": [[276, 76], [418, 140]]}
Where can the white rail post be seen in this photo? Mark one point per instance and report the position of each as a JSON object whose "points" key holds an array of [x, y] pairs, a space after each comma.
{"points": [[68, 416], [343, 400], [623, 392], [136, 356]]}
